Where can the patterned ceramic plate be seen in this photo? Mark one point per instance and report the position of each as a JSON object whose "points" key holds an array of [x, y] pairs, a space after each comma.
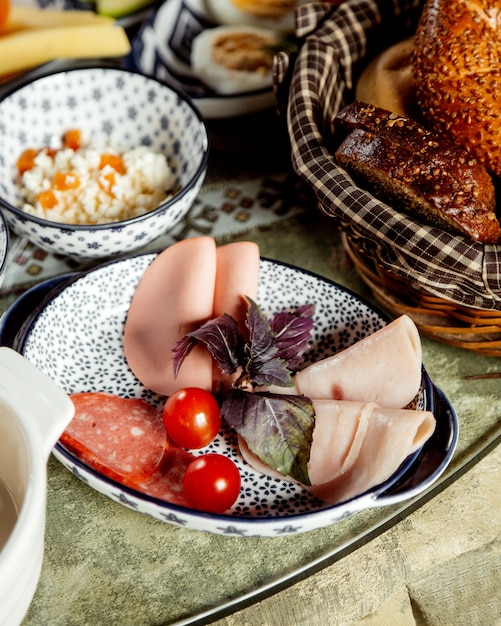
{"points": [[75, 336]]}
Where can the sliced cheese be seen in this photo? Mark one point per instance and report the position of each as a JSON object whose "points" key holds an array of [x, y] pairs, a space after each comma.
{"points": [[25, 49], [119, 8], [22, 18]]}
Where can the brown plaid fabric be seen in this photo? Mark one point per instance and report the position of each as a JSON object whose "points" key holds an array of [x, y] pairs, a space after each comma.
{"points": [[311, 86]]}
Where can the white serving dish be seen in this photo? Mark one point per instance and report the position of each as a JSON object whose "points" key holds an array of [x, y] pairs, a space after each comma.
{"points": [[162, 49]]}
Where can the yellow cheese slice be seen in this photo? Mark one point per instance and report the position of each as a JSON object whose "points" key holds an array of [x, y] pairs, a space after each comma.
{"points": [[120, 8], [21, 18], [28, 48]]}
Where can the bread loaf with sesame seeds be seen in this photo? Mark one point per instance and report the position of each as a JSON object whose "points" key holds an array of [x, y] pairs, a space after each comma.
{"points": [[457, 74], [417, 171]]}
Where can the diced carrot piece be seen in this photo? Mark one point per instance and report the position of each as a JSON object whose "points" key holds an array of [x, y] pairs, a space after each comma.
{"points": [[27, 160], [66, 180], [47, 199], [50, 152], [106, 182], [113, 160], [72, 139]]}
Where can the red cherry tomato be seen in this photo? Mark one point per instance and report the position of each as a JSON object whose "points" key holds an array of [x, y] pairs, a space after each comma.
{"points": [[211, 483], [192, 417]]}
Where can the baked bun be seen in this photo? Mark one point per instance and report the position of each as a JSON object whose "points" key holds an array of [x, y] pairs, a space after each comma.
{"points": [[387, 81], [457, 74], [416, 170]]}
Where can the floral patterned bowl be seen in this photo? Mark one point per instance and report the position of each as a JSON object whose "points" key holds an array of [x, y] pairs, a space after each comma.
{"points": [[122, 108]]}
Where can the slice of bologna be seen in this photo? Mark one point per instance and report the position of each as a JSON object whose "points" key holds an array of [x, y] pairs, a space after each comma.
{"points": [[237, 278], [384, 367], [174, 296], [356, 446], [124, 438]]}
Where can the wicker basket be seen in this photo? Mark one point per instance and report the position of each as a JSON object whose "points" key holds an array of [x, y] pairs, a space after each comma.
{"points": [[450, 285], [478, 330]]}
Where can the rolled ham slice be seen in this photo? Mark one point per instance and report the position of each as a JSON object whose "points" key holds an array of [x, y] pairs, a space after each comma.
{"points": [[356, 446], [384, 367], [174, 297], [383, 439]]}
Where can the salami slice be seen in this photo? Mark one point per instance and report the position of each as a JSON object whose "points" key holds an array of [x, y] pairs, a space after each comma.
{"points": [[123, 438], [167, 482]]}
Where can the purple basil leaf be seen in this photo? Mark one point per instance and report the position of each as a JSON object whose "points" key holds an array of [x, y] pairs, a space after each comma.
{"points": [[277, 428], [181, 350], [292, 330], [222, 339], [263, 365]]}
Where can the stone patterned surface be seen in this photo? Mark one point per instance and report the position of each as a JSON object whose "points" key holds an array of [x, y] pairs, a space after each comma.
{"points": [[105, 564]]}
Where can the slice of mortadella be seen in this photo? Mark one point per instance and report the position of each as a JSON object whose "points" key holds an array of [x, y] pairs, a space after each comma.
{"points": [[356, 446], [174, 296], [384, 367]]}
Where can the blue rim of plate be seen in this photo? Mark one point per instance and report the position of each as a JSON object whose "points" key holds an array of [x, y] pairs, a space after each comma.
{"points": [[5, 234], [416, 474]]}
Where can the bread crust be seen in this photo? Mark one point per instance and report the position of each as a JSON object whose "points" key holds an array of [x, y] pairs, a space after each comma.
{"points": [[388, 80], [422, 173], [457, 74]]}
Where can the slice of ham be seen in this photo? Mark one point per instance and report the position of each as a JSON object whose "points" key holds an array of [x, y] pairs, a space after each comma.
{"points": [[174, 296], [123, 438], [356, 446], [387, 438], [384, 367]]}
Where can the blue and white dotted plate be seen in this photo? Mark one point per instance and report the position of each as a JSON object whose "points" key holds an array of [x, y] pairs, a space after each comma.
{"points": [[75, 336]]}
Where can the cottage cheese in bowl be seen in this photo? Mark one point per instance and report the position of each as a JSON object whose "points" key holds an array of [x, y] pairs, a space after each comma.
{"points": [[122, 110], [93, 183]]}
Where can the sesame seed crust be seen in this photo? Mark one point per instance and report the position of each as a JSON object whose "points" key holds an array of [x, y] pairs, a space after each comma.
{"points": [[457, 74]]}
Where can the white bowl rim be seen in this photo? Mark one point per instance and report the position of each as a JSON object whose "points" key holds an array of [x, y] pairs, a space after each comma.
{"points": [[138, 218]]}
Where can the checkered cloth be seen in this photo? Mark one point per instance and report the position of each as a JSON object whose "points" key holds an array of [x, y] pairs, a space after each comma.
{"points": [[311, 86]]}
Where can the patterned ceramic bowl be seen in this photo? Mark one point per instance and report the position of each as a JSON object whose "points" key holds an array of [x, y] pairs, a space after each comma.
{"points": [[115, 106]]}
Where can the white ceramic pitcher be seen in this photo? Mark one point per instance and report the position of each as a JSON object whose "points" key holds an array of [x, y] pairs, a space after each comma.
{"points": [[33, 414]]}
